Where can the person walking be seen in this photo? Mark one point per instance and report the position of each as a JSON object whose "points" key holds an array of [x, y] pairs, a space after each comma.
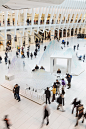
{"points": [[17, 92], [59, 101], [5, 59], [69, 82], [14, 91], [48, 95], [31, 55], [44, 48], [67, 43], [17, 54], [74, 47], [80, 113], [35, 54], [7, 122], [54, 92], [0, 59], [75, 104], [46, 115], [77, 46], [28, 53], [83, 58], [9, 62]]}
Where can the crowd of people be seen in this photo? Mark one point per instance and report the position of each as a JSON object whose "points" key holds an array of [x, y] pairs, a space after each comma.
{"points": [[58, 88]]}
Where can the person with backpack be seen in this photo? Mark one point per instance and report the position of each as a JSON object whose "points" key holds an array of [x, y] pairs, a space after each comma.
{"points": [[80, 113], [59, 101], [48, 94]]}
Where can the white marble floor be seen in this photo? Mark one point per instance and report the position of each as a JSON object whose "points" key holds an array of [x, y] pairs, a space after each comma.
{"points": [[27, 114]]}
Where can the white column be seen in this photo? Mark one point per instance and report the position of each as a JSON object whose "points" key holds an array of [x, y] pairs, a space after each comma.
{"points": [[70, 32], [62, 33], [5, 19], [58, 34], [26, 39], [73, 31], [21, 41], [11, 20], [32, 37], [13, 43], [52, 34], [66, 35], [51, 65], [81, 30], [1, 19], [67, 65], [16, 18]]}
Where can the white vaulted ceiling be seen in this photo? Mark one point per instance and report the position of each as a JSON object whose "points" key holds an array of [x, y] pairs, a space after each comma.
{"points": [[21, 4]]}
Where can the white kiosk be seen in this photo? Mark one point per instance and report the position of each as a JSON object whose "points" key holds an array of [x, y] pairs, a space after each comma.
{"points": [[61, 56]]}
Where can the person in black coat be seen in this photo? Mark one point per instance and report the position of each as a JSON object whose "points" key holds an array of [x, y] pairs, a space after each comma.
{"points": [[77, 46], [69, 82], [75, 104], [67, 43], [14, 91], [35, 54], [44, 48], [28, 54], [83, 58], [36, 50], [31, 55], [0, 59], [5, 60], [17, 54], [17, 92], [6, 54], [59, 100], [46, 115], [36, 67], [74, 47], [48, 94]]}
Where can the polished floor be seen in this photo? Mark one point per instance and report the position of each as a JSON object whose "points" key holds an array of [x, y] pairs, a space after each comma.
{"points": [[27, 114]]}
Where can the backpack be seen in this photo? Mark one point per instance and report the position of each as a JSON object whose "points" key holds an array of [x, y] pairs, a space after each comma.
{"points": [[58, 100], [71, 76]]}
